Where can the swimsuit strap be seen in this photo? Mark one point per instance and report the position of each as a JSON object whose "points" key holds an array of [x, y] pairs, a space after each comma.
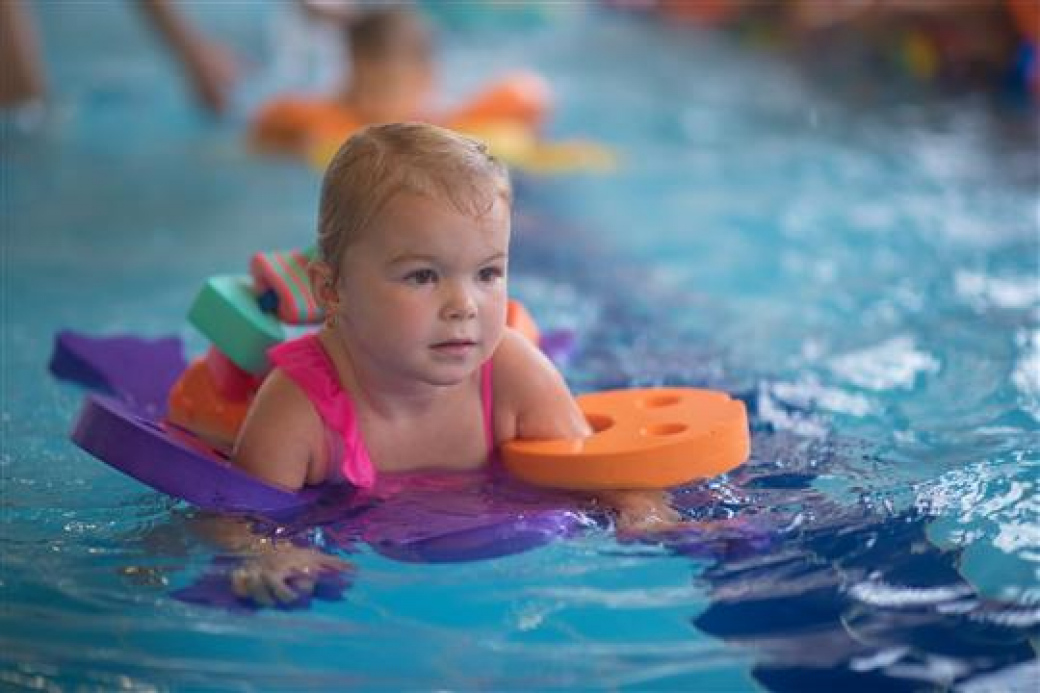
{"points": [[305, 362], [487, 401]]}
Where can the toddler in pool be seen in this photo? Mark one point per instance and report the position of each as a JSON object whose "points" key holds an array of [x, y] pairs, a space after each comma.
{"points": [[414, 367]]}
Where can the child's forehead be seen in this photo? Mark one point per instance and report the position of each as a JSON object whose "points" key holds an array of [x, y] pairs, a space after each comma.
{"points": [[422, 212], [410, 219]]}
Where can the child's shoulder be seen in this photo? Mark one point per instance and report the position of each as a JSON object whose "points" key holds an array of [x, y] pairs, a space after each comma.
{"points": [[284, 407], [519, 365], [282, 434], [532, 399]]}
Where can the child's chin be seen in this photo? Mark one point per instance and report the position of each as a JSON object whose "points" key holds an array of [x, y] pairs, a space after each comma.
{"points": [[448, 375]]}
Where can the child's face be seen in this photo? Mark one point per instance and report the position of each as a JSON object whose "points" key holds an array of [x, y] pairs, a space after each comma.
{"points": [[422, 293]]}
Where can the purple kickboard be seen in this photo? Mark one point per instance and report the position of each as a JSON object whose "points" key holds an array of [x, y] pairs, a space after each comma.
{"points": [[434, 518], [176, 464], [138, 371]]}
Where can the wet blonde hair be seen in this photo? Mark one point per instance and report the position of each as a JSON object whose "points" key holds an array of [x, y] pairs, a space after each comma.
{"points": [[381, 161]]}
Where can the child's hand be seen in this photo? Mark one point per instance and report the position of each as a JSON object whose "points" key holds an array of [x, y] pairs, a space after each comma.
{"points": [[642, 511], [283, 573]]}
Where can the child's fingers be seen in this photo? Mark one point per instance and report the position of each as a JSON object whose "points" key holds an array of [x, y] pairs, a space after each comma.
{"points": [[655, 519], [303, 584], [278, 588], [240, 582], [269, 585], [248, 583], [334, 563], [261, 592]]}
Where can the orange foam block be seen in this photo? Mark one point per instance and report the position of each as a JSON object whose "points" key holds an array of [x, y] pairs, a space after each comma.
{"points": [[197, 405], [229, 381], [643, 439]]}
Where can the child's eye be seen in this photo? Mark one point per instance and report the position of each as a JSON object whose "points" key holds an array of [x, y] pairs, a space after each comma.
{"points": [[421, 277], [490, 274]]}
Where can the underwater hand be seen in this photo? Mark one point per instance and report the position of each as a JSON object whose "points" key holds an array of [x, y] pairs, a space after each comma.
{"points": [[643, 511], [283, 574]]}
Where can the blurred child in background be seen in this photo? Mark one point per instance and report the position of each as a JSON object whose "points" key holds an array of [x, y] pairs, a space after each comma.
{"points": [[391, 79]]}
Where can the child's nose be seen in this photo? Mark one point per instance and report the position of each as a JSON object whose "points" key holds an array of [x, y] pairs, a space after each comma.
{"points": [[459, 305]]}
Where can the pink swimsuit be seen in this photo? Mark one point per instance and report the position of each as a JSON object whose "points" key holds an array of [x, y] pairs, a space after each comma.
{"points": [[304, 360]]}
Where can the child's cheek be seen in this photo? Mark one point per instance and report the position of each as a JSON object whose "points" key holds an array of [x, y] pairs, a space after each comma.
{"points": [[415, 315], [497, 315]]}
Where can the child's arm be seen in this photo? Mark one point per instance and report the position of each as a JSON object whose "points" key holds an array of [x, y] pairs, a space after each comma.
{"points": [[209, 66], [282, 441], [23, 74], [532, 401]]}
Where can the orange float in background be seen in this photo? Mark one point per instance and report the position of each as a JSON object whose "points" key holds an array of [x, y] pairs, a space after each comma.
{"points": [[518, 317], [298, 122], [643, 439], [522, 97], [507, 116], [295, 123]]}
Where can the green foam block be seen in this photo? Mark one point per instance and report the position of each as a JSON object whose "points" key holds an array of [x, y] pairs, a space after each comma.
{"points": [[225, 311]]}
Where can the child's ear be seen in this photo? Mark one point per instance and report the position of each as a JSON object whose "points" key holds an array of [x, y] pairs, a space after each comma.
{"points": [[323, 285]]}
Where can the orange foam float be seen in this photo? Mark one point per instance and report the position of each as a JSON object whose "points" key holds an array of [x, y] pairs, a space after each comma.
{"points": [[650, 438], [197, 405]]}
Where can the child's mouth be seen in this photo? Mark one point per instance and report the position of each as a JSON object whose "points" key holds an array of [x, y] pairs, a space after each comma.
{"points": [[454, 347]]}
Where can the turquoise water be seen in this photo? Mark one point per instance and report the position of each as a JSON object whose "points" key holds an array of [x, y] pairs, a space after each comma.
{"points": [[864, 273]]}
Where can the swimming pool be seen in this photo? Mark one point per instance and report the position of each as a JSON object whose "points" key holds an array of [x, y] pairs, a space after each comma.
{"points": [[864, 274]]}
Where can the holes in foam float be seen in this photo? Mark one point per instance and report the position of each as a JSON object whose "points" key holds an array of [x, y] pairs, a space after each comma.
{"points": [[599, 422], [663, 429], [658, 401]]}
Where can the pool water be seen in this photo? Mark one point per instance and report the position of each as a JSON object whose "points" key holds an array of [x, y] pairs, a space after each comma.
{"points": [[864, 273]]}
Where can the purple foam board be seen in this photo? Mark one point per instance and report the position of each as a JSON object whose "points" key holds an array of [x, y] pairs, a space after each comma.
{"points": [[138, 371], [176, 463]]}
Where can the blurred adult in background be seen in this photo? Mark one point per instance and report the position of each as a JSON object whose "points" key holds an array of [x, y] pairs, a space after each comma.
{"points": [[208, 66]]}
